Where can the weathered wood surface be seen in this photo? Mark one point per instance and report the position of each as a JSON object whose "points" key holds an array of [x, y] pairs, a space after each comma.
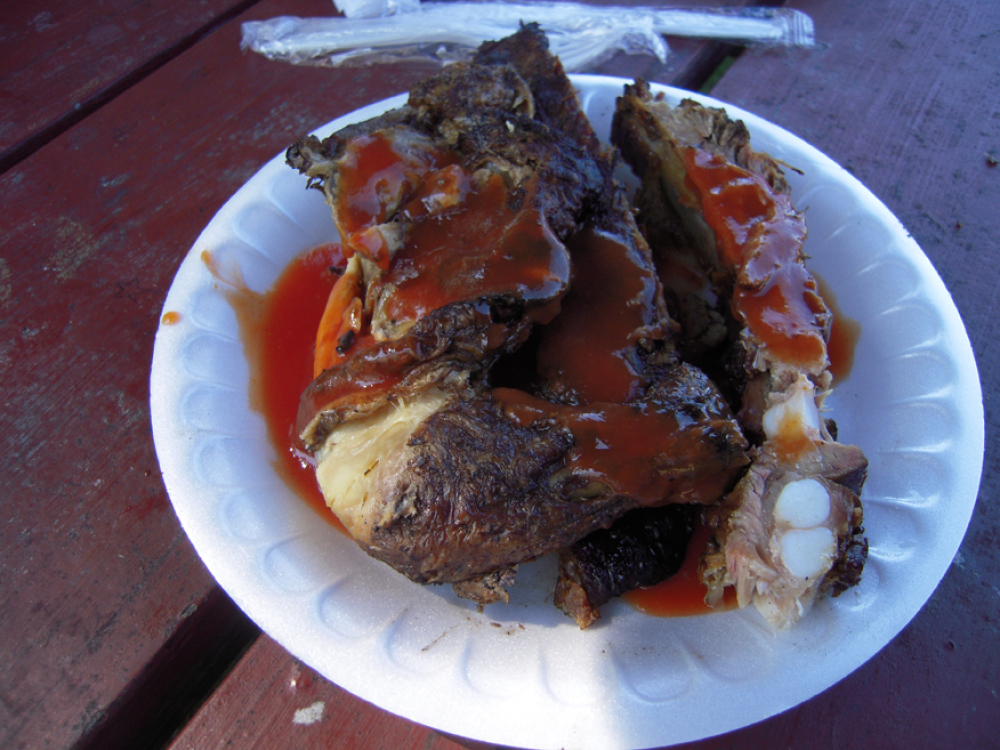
{"points": [[111, 626], [271, 701], [61, 60]]}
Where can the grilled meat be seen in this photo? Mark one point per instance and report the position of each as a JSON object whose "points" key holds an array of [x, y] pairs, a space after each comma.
{"points": [[464, 213], [445, 489], [792, 526], [642, 548]]}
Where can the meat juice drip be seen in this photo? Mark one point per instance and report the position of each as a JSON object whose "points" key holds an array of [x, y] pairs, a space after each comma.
{"points": [[611, 297], [277, 330], [844, 335], [759, 238], [682, 594]]}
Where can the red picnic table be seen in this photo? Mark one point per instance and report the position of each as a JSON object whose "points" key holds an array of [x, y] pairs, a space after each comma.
{"points": [[125, 128]]}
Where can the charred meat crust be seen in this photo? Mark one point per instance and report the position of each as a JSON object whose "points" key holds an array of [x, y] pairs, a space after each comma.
{"points": [[556, 103], [574, 181], [475, 496], [453, 346], [651, 134], [648, 545], [642, 548], [634, 128], [316, 158], [513, 111], [478, 490], [486, 113], [851, 559], [708, 336]]}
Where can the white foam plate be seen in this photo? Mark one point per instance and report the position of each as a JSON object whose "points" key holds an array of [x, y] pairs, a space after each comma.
{"points": [[523, 674]]}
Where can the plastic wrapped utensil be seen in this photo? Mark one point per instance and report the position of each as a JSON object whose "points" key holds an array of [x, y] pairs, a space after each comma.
{"points": [[581, 35]]}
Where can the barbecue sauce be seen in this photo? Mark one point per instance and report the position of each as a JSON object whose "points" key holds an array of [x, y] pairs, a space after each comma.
{"points": [[628, 448], [277, 330], [461, 243], [844, 335], [589, 347], [683, 593], [759, 237], [377, 174], [481, 249]]}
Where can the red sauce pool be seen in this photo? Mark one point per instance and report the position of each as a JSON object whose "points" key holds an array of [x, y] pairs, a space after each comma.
{"points": [[278, 330], [844, 335], [683, 594]]}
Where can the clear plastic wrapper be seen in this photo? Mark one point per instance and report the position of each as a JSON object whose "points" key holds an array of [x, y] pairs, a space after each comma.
{"points": [[581, 35], [374, 8]]}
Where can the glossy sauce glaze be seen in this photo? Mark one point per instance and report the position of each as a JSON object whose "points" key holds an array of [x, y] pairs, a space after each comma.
{"points": [[759, 237], [683, 594], [480, 249], [844, 335], [628, 448], [587, 348], [469, 245], [375, 175]]}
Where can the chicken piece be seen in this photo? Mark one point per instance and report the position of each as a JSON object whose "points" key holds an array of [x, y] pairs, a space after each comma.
{"points": [[729, 208]]}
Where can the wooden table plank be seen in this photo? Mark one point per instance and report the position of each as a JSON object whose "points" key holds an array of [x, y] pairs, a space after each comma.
{"points": [[905, 95], [272, 701], [936, 683], [62, 59]]}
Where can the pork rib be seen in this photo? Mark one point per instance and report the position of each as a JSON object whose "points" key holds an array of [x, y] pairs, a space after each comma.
{"points": [[718, 209]]}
